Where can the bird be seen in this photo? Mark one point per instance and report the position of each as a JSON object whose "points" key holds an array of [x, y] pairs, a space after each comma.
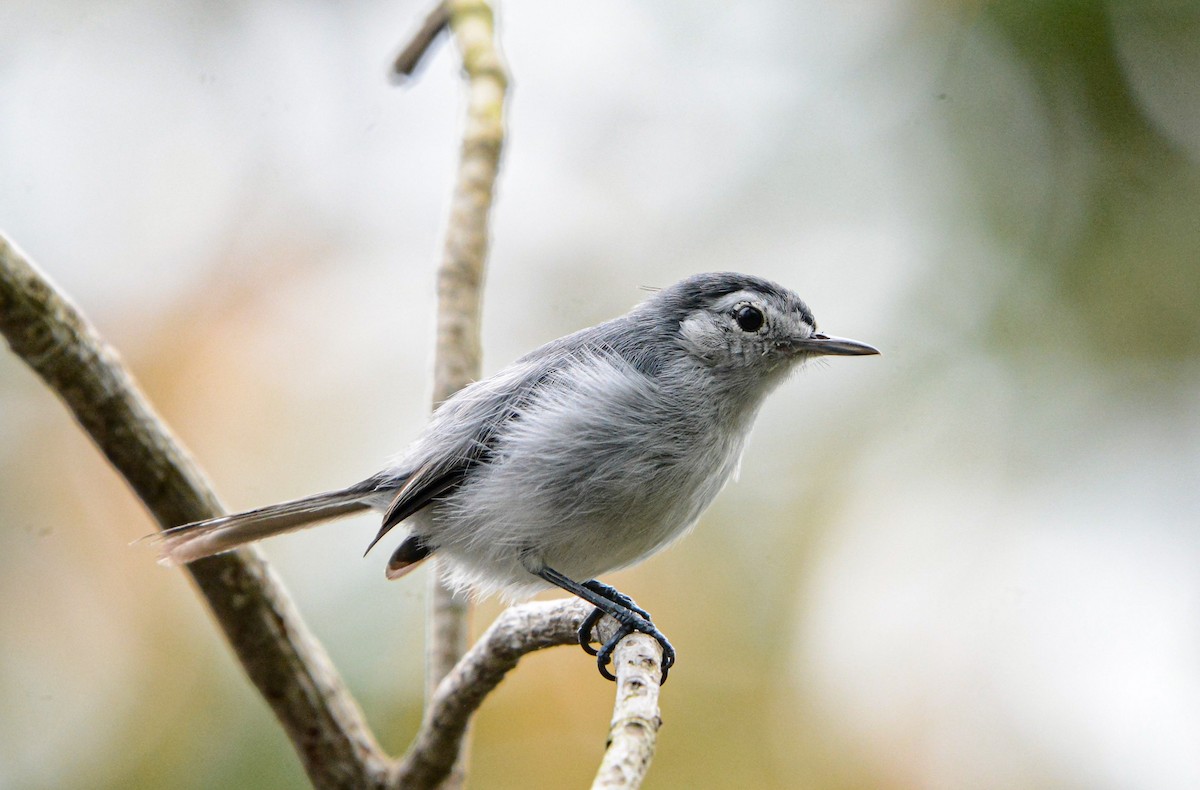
{"points": [[582, 457]]}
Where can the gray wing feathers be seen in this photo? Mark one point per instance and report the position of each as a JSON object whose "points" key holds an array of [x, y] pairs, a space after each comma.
{"points": [[463, 433], [181, 545]]}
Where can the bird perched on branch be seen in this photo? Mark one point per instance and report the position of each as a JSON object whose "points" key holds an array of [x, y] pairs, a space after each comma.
{"points": [[586, 455]]}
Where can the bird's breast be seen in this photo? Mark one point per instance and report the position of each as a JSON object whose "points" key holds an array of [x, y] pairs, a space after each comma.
{"points": [[596, 473]]}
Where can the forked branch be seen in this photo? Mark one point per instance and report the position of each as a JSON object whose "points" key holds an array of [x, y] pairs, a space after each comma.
{"points": [[522, 629], [284, 661]]}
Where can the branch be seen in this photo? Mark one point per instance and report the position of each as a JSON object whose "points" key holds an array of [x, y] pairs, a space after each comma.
{"points": [[461, 273], [406, 63], [283, 660], [460, 281], [517, 631], [455, 691], [286, 664], [636, 719], [520, 630]]}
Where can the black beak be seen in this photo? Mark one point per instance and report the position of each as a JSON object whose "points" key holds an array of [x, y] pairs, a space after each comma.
{"points": [[838, 346]]}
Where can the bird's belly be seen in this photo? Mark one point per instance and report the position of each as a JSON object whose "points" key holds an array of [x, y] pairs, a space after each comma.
{"points": [[583, 521]]}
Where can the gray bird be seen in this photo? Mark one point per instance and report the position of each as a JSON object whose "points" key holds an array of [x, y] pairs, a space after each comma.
{"points": [[587, 455]]}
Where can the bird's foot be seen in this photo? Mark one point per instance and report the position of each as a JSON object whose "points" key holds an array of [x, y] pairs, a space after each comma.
{"points": [[631, 618]]}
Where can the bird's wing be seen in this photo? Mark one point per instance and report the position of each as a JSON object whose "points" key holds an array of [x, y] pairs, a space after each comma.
{"points": [[462, 435], [424, 486]]}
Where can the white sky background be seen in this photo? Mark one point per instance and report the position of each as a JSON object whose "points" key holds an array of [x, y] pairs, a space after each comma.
{"points": [[1005, 589]]}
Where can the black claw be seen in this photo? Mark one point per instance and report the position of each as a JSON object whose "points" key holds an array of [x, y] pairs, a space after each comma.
{"points": [[668, 651], [585, 631], [604, 656], [668, 659]]}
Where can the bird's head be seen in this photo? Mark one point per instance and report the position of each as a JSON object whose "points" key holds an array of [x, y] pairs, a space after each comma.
{"points": [[736, 321]]}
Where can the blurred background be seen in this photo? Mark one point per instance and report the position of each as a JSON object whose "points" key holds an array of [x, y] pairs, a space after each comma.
{"points": [[971, 562]]}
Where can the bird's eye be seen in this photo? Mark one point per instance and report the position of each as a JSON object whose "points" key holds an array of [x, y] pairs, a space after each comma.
{"points": [[749, 319]]}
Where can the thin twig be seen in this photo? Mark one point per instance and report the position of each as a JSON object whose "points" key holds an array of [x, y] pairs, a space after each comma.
{"points": [[414, 52], [283, 660], [457, 360]]}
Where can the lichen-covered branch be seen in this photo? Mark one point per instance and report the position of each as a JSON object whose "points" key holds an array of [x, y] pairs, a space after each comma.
{"points": [[457, 360], [636, 718], [287, 665]]}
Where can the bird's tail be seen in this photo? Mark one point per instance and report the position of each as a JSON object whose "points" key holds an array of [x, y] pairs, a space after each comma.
{"points": [[184, 544]]}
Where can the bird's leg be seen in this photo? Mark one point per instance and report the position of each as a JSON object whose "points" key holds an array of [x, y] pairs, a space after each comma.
{"points": [[621, 608]]}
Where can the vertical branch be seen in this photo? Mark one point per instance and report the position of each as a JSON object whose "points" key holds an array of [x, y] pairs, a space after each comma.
{"points": [[460, 279]]}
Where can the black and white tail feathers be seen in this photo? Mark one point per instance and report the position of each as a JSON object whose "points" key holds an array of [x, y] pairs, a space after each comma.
{"points": [[189, 542]]}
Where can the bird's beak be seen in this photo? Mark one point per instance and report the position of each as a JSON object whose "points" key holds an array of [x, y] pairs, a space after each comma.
{"points": [[819, 345]]}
